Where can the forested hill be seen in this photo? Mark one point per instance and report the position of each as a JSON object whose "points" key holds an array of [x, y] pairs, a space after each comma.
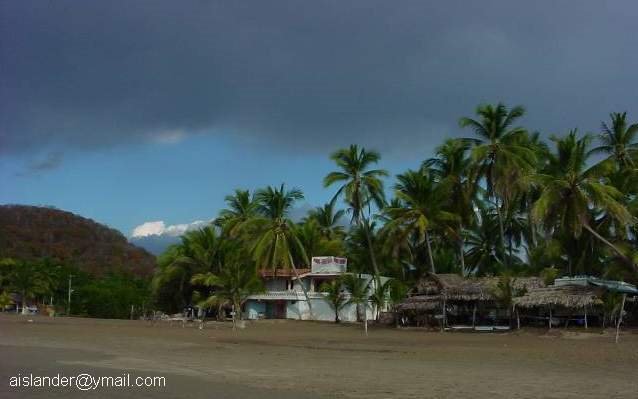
{"points": [[30, 232]]}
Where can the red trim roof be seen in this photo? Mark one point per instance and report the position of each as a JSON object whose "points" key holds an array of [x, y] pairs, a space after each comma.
{"points": [[266, 273]]}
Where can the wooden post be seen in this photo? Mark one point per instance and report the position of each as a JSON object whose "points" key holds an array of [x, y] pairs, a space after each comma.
{"points": [[550, 317], [474, 315], [232, 314], [444, 319], [518, 318], [622, 310], [586, 326]]}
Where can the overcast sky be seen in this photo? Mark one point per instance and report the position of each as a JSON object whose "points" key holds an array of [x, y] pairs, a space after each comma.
{"points": [[134, 112]]}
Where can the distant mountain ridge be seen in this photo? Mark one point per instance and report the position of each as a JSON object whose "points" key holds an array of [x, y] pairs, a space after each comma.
{"points": [[31, 232], [156, 243]]}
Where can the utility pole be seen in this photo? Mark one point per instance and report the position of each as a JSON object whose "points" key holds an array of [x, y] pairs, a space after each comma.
{"points": [[68, 305]]}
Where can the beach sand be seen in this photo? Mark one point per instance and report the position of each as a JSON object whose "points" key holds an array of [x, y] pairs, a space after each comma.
{"points": [[290, 359]]}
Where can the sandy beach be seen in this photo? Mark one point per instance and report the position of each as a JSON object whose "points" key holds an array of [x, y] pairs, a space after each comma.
{"points": [[286, 359]]}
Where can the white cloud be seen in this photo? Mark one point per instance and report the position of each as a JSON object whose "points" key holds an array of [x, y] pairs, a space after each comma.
{"points": [[169, 136], [159, 228]]}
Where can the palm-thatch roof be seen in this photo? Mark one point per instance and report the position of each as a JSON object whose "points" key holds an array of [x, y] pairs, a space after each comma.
{"points": [[569, 296], [453, 287], [421, 303]]}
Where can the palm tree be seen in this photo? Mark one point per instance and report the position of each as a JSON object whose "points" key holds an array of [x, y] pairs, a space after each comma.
{"points": [[328, 220], [398, 291], [451, 168], [241, 209], [504, 294], [500, 152], [204, 249], [277, 240], [314, 242], [361, 186], [358, 242], [379, 297], [334, 296], [233, 284], [420, 211], [358, 289], [572, 191], [619, 141], [309, 235], [200, 251], [483, 250]]}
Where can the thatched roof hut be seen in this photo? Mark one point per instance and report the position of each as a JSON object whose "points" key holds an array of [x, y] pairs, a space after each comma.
{"points": [[568, 296], [453, 287], [421, 303]]}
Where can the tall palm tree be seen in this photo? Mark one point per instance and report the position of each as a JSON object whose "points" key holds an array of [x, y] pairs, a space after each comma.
{"points": [[241, 208], [451, 168], [421, 210], [619, 141], [572, 191], [358, 242], [484, 252], [360, 187], [200, 251], [328, 219], [204, 248], [310, 237], [277, 240], [500, 152]]}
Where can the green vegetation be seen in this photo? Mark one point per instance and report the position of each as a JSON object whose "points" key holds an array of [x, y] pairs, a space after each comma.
{"points": [[501, 202], [335, 296], [45, 283]]}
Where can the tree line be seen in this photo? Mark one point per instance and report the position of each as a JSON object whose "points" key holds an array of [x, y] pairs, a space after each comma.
{"points": [[500, 201], [45, 282]]}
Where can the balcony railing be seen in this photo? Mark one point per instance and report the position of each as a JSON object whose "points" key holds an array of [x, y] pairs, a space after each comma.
{"points": [[291, 295]]}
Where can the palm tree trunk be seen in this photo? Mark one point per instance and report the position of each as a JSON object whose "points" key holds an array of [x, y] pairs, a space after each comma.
{"points": [[532, 228], [364, 225], [462, 254], [303, 287], [500, 224], [365, 317], [427, 240], [233, 314], [181, 290], [612, 246], [24, 302], [498, 208]]}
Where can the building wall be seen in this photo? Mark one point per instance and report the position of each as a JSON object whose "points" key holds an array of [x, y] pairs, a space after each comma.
{"points": [[276, 284], [322, 310], [252, 309]]}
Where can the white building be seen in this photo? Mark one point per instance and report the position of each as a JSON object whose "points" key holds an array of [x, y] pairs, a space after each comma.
{"points": [[284, 298]]}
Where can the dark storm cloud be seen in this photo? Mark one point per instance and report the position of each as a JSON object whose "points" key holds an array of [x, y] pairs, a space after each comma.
{"points": [[313, 74]]}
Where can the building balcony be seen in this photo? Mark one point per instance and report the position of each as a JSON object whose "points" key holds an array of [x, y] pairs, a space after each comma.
{"points": [[289, 295]]}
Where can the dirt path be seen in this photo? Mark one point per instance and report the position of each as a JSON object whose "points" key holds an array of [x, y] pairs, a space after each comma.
{"points": [[287, 359]]}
